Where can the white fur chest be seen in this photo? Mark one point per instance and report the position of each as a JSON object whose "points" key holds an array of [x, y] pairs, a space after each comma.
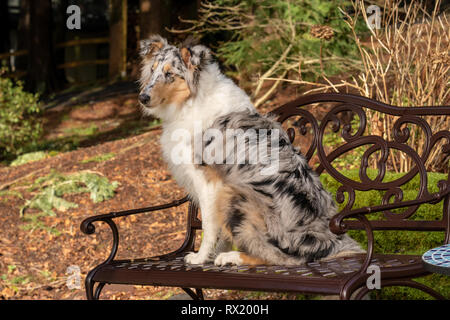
{"points": [[177, 141], [183, 127]]}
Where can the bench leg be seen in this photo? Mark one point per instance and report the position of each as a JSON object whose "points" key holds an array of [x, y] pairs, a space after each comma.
{"points": [[89, 284], [197, 295], [351, 286], [98, 290], [90, 294]]}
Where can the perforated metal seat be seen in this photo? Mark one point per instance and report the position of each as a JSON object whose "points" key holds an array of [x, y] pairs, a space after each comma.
{"points": [[324, 277]]}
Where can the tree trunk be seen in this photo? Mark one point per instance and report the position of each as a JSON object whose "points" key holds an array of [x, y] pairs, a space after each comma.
{"points": [[41, 75], [157, 15], [59, 37], [4, 27], [23, 38], [118, 38]]}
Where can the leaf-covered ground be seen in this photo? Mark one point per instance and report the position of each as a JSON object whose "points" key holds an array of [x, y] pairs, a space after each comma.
{"points": [[37, 248]]}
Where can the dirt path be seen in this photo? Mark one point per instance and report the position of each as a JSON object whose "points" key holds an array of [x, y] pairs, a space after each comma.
{"points": [[34, 262]]}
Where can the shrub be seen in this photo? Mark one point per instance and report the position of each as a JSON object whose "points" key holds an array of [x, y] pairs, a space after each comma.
{"points": [[275, 40], [400, 242], [19, 124]]}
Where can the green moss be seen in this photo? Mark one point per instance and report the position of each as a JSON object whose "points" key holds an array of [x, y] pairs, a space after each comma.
{"points": [[399, 242], [100, 158], [82, 131], [29, 157]]}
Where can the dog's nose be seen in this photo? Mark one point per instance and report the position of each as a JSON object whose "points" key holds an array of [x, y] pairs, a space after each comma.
{"points": [[144, 98]]}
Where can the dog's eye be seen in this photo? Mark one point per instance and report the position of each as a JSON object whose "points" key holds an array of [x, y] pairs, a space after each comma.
{"points": [[169, 77]]}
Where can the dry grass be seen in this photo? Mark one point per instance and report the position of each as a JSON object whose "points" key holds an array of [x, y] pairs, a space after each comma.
{"points": [[405, 63]]}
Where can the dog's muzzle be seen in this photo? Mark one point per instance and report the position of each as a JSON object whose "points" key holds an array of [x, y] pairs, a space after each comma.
{"points": [[144, 99]]}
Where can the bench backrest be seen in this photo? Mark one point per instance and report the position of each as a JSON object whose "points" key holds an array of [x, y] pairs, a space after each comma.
{"points": [[347, 117], [340, 118]]}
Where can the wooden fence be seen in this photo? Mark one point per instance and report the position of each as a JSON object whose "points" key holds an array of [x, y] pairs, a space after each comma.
{"points": [[65, 65]]}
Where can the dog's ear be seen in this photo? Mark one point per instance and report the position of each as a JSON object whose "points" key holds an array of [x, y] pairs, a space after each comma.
{"points": [[152, 45], [196, 56]]}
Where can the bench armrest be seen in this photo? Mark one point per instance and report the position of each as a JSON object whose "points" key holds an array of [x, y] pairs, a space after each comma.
{"points": [[87, 226], [338, 226]]}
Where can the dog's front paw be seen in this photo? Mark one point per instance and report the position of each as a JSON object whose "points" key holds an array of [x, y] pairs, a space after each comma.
{"points": [[231, 257], [195, 258]]}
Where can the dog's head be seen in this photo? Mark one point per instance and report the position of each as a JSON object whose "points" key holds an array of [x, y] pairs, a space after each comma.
{"points": [[169, 75]]}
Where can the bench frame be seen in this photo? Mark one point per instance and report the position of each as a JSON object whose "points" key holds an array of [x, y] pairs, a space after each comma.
{"points": [[390, 276]]}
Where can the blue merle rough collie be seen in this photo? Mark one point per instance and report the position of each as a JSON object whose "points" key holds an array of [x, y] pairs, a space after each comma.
{"points": [[276, 216]]}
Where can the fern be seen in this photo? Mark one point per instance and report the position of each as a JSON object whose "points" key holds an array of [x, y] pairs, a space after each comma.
{"points": [[51, 189]]}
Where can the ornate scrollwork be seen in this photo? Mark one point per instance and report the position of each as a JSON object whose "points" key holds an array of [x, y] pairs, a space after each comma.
{"points": [[87, 227], [403, 135], [301, 125], [354, 137], [340, 196], [353, 141], [393, 197]]}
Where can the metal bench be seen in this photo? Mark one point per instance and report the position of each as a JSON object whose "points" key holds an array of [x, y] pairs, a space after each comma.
{"points": [[345, 276]]}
